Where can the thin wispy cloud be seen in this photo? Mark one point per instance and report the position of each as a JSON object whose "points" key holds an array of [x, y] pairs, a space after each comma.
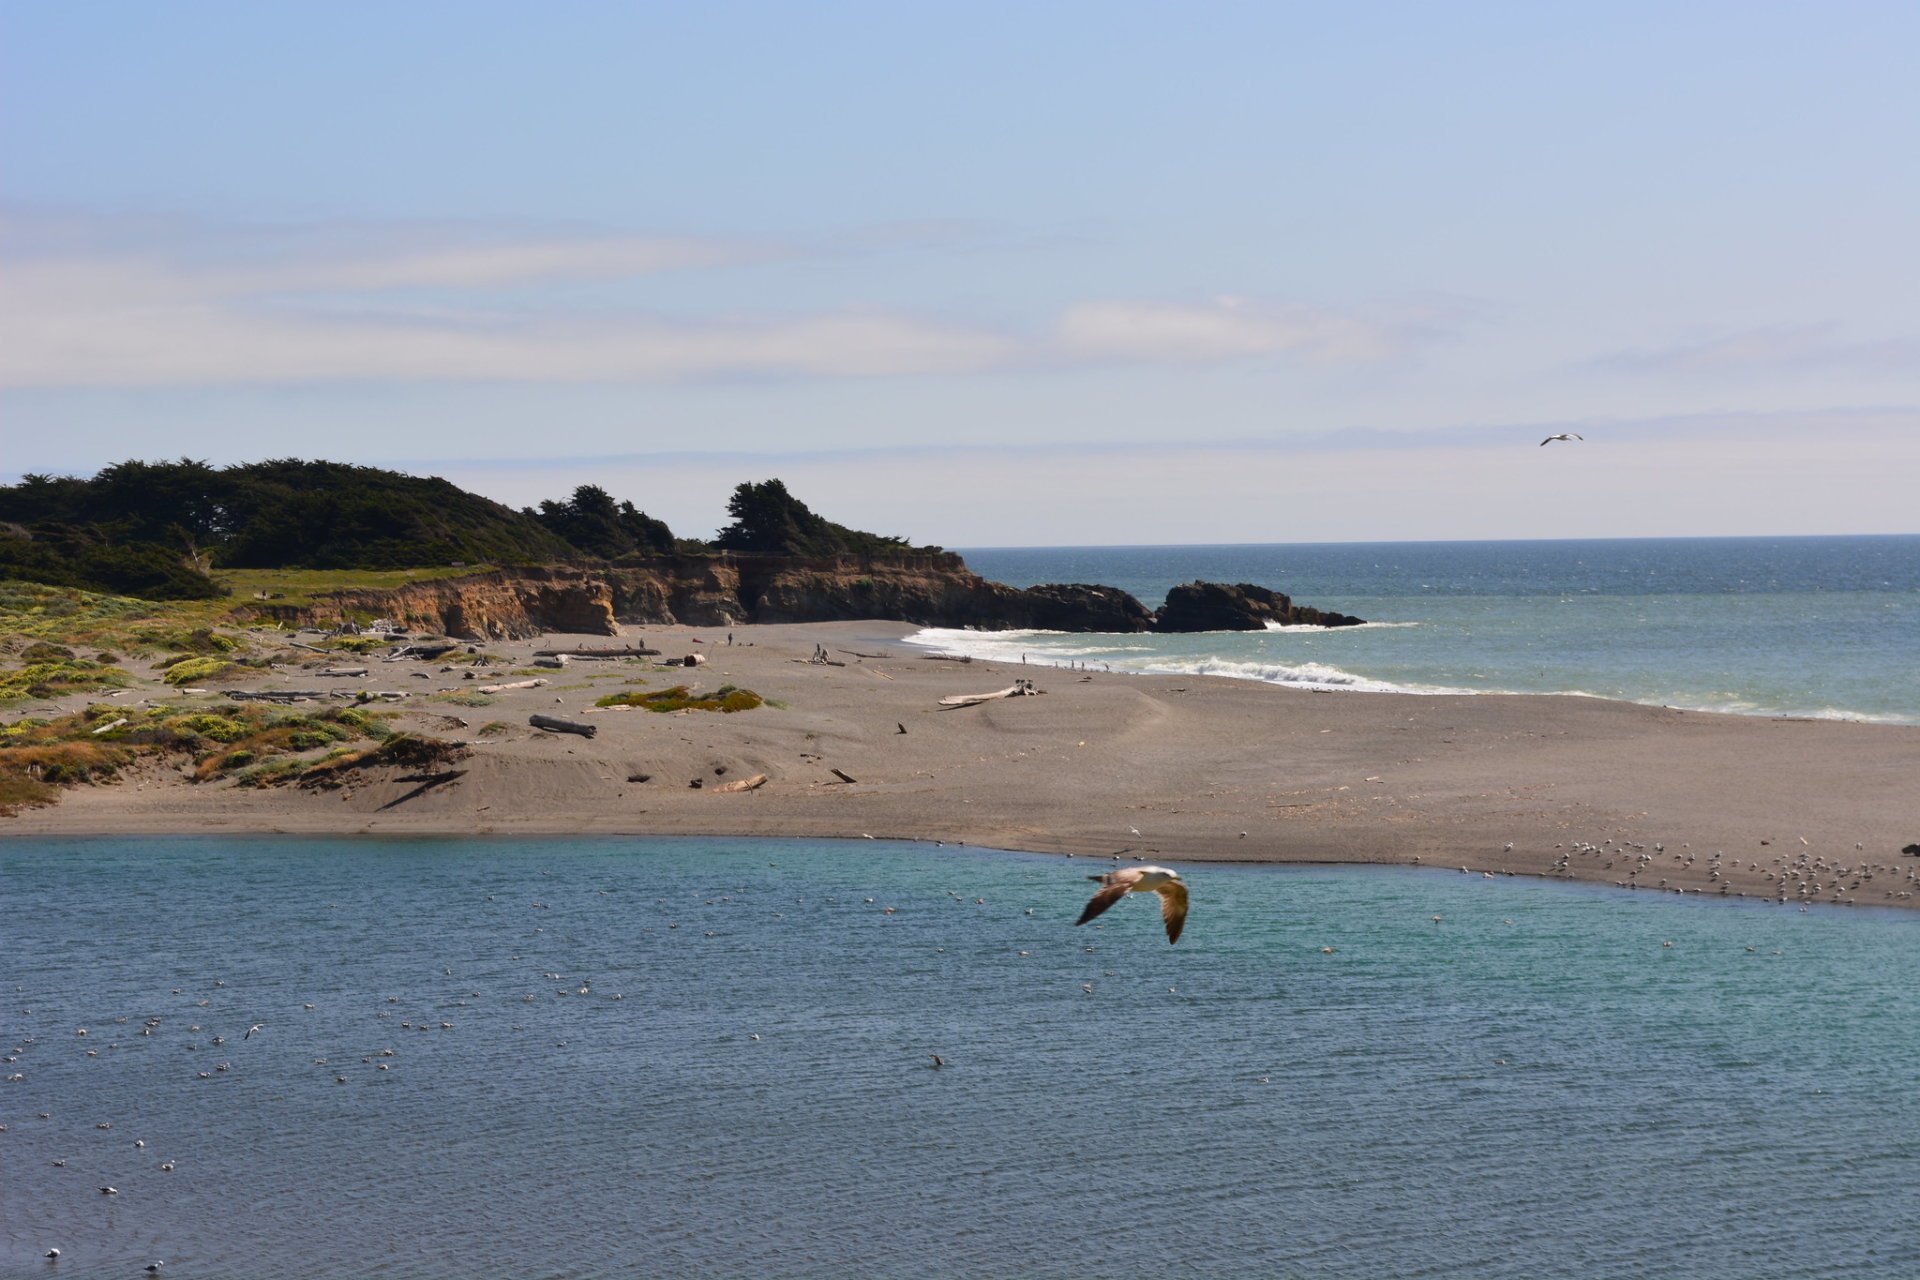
{"points": [[325, 304], [1224, 329], [1811, 348]]}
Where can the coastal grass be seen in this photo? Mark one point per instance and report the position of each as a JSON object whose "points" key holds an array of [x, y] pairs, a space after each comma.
{"points": [[38, 757], [727, 699], [52, 677], [72, 616]]}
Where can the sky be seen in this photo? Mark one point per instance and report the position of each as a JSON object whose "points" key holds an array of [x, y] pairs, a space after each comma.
{"points": [[987, 274]]}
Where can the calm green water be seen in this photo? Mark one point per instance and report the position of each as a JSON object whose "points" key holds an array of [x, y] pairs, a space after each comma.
{"points": [[1534, 1086]]}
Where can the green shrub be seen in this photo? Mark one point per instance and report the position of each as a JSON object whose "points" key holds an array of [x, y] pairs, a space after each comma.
{"points": [[190, 670], [208, 725], [727, 699], [51, 679]]}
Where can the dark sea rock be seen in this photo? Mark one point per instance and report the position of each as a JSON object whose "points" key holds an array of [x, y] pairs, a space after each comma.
{"points": [[1217, 606], [1079, 606]]}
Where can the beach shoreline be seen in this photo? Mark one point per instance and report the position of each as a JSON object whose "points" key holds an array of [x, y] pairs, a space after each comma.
{"points": [[1191, 768]]}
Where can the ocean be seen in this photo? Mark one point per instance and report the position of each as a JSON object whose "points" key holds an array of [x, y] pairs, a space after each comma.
{"points": [[1817, 627], [704, 1057]]}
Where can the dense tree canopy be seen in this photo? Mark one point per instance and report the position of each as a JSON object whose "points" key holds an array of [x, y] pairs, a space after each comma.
{"points": [[769, 520], [156, 529], [592, 521]]}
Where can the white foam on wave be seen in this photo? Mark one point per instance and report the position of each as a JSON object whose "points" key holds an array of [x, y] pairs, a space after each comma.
{"points": [[1008, 646], [1307, 628], [1018, 646], [1311, 675]]}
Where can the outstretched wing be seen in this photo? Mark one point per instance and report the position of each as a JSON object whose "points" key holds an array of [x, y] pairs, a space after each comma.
{"points": [[1173, 908], [1101, 901]]}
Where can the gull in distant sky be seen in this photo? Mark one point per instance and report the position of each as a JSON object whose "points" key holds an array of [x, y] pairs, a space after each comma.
{"points": [[1564, 435], [1116, 885]]}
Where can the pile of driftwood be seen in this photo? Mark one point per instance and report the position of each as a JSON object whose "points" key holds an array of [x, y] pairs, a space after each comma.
{"points": [[423, 649], [631, 651]]}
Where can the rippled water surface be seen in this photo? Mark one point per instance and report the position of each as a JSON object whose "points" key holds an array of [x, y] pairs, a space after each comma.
{"points": [[1825, 627], [1535, 1085]]}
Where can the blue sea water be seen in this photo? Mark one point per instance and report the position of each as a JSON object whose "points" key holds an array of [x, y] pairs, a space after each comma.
{"points": [[1825, 627], [712, 1058]]}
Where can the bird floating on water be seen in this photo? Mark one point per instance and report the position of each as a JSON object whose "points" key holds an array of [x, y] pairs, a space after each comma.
{"points": [[1564, 435], [1116, 885]]}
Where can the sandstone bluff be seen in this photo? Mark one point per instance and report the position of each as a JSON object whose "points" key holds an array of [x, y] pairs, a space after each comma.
{"points": [[933, 589]]}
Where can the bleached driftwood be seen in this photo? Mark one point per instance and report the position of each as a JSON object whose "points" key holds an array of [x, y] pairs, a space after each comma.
{"points": [[341, 671], [110, 727], [553, 724], [745, 784], [1018, 689], [534, 683]]}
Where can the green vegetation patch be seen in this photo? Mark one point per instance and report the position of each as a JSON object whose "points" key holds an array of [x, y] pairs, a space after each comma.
{"points": [[60, 676], [71, 616], [188, 642], [194, 670], [37, 757], [726, 699], [464, 698]]}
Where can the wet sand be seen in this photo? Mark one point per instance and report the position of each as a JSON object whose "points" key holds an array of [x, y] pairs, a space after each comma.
{"points": [[1156, 767]]}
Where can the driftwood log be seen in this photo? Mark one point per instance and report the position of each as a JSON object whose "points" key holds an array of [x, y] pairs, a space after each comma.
{"points": [[745, 784], [553, 724], [631, 651], [341, 671], [534, 683], [948, 657], [276, 695], [1018, 689]]}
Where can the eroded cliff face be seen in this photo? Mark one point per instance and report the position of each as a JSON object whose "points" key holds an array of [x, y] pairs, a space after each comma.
{"points": [[510, 604], [929, 589]]}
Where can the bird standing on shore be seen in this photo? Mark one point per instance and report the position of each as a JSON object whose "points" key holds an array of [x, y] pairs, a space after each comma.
{"points": [[1564, 435], [1116, 885]]}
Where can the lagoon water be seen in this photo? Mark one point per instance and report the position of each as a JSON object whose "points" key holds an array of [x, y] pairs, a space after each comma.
{"points": [[1536, 1085], [1825, 627]]}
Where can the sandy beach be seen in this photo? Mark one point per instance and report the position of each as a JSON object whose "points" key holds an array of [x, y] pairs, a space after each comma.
{"points": [[1103, 765]]}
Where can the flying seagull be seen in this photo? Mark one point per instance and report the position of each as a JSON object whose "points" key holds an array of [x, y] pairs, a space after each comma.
{"points": [[258, 1026], [1564, 435], [1116, 885]]}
